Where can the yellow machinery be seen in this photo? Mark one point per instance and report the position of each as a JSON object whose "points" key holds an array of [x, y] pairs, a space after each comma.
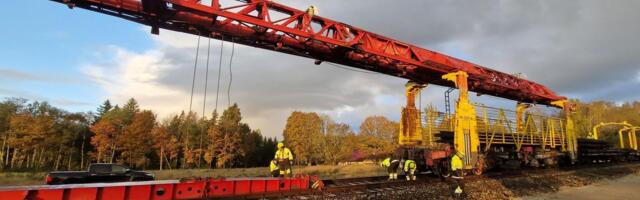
{"points": [[465, 137], [520, 108], [410, 120], [465, 126], [594, 131], [492, 126], [625, 127], [631, 134], [570, 131]]}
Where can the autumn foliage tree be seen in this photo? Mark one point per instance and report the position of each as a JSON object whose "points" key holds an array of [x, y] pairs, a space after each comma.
{"points": [[303, 135], [135, 140], [165, 145], [103, 139], [380, 135], [37, 136], [337, 145]]}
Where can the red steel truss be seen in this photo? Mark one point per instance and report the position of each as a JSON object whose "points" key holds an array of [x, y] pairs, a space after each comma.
{"points": [[273, 26]]}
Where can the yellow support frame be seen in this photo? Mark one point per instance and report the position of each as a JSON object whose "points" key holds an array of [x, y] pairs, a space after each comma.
{"points": [[466, 138], [569, 128], [631, 135], [594, 130], [410, 120]]}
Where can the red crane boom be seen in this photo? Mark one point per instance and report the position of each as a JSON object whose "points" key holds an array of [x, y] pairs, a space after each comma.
{"points": [[273, 26]]}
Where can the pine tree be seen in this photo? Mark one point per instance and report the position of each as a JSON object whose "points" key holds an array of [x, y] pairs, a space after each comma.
{"points": [[130, 109], [230, 128], [103, 109], [215, 141]]}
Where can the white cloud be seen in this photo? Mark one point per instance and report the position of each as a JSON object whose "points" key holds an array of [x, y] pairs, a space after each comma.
{"points": [[268, 86], [573, 47], [130, 74]]}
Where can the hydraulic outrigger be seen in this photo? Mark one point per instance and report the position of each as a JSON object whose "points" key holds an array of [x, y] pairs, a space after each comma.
{"points": [[465, 123], [570, 131], [410, 134]]}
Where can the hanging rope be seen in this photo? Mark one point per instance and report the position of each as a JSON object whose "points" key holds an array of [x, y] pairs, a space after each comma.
{"points": [[219, 70], [206, 79], [350, 69], [233, 49], [204, 103], [193, 80]]}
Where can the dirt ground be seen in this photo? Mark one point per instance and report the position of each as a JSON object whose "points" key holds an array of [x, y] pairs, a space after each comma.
{"points": [[622, 188], [614, 182]]}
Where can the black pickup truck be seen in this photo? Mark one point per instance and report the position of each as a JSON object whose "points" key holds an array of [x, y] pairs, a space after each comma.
{"points": [[98, 173]]}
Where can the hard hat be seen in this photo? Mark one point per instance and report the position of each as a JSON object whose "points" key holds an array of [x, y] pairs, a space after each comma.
{"points": [[280, 144], [312, 10]]}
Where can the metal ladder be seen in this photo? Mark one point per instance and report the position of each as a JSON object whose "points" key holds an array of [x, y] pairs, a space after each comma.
{"points": [[447, 101]]}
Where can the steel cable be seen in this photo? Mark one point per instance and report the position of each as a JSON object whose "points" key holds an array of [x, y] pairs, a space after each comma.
{"points": [[206, 79], [204, 103], [193, 80], [219, 71], [233, 49]]}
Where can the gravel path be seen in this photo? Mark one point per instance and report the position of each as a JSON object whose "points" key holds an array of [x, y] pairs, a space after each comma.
{"points": [[622, 188], [613, 182]]}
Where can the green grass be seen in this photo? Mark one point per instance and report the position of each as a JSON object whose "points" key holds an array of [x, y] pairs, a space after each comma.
{"points": [[21, 178], [324, 171]]}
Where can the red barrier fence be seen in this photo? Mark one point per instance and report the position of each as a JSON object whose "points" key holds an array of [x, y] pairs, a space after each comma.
{"points": [[160, 190]]}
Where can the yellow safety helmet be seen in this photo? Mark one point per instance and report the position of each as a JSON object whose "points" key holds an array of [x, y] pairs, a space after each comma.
{"points": [[280, 144]]}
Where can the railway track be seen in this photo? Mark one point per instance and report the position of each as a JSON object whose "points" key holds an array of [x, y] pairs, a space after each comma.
{"points": [[427, 186], [379, 187]]}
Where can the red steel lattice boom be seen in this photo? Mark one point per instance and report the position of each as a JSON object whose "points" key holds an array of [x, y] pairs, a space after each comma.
{"points": [[273, 26]]}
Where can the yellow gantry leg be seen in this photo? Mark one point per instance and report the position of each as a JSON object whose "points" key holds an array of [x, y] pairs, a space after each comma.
{"points": [[631, 135], [520, 127], [466, 138], [571, 139], [410, 120], [634, 141], [520, 108], [621, 138]]}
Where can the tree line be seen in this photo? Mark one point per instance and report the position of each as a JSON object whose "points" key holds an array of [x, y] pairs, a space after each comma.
{"points": [[590, 114], [36, 136]]}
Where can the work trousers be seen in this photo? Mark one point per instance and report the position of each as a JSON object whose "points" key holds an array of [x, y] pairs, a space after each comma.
{"points": [[285, 167], [458, 182]]}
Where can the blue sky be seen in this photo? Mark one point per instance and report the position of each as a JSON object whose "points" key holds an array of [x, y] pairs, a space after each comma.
{"points": [[44, 43]]}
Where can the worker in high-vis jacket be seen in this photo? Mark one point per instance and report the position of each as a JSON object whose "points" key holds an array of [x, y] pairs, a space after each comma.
{"points": [[392, 167], [273, 168], [284, 157], [457, 173], [410, 170]]}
